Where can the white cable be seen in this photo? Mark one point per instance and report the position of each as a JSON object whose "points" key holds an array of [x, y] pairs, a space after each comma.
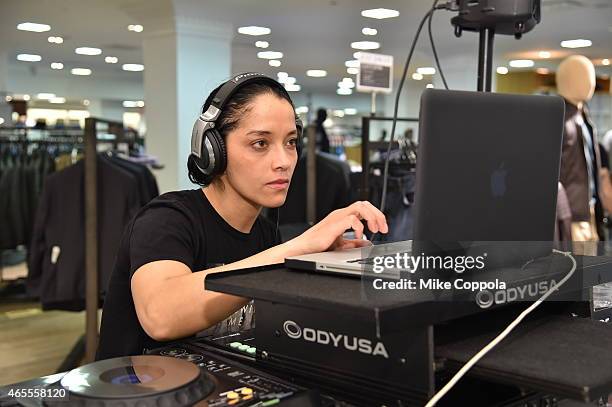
{"points": [[501, 336]]}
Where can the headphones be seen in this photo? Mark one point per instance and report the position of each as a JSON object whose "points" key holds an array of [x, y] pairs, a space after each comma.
{"points": [[207, 145]]}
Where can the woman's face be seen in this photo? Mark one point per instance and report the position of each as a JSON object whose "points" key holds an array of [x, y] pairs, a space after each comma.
{"points": [[261, 152]]}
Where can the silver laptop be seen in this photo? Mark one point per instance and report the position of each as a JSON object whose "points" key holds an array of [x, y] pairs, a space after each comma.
{"points": [[487, 171]]}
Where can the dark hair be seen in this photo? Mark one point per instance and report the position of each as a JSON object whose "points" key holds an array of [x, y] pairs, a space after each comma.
{"points": [[231, 113]]}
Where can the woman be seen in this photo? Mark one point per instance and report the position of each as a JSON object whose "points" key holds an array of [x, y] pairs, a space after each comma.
{"points": [[156, 292]]}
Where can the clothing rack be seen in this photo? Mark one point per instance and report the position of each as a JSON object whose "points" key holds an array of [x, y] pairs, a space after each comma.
{"points": [[367, 146]]}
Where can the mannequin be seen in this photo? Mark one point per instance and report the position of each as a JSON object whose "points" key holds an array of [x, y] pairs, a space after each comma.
{"points": [[580, 160]]}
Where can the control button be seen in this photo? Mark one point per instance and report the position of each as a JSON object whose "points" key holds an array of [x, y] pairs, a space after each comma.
{"points": [[243, 348], [245, 398], [232, 402], [235, 345], [251, 350], [246, 391], [232, 395]]}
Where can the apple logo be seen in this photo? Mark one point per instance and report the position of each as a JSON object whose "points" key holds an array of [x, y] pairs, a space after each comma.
{"points": [[498, 181]]}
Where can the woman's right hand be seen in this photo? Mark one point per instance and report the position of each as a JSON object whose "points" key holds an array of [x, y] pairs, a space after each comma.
{"points": [[327, 234]]}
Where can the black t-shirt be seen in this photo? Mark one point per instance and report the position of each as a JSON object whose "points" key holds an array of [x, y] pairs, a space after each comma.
{"points": [[181, 226]]}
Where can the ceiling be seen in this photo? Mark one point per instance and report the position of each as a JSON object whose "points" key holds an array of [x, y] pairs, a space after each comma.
{"points": [[314, 34]]}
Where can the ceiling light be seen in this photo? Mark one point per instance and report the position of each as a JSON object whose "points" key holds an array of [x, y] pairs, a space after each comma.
{"points": [[274, 62], [344, 91], [29, 57], [339, 113], [44, 96], [502, 70], [282, 75], [365, 45], [34, 27], [293, 88], [135, 28], [301, 109], [543, 71], [254, 30], [316, 73], [57, 100], [348, 80], [8, 98], [86, 102], [133, 103], [80, 71], [369, 31], [57, 65], [428, 70], [380, 13], [262, 44], [346, 85], [1, 120], [544, 54], [352, 64], [521, 63], [352, 71], [132, 67], [111, 60], [350, 111], [417, 76], [88, 51], [429, 86], [55, 40], [605, 61], [576, 43], [356, 54], [269, 55], [289, 80], [25, 97]]}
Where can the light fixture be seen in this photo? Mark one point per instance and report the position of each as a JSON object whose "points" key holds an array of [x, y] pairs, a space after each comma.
{"points": [[88, 51], [8, 98], [262, 44], [26, 97], [316, 73], [350, 111], [347, 85], [427, 70], [55, 40], [132, 67], [1, 121], [289, 80], [301, 109], [282, 75], [86, 102], [417, 76], [356, 54], [344, 91], [57, 100], [57, 65], [137, 28], [339, 113], [29, 57], [369, 31], [293, 88], [133, 103], [352, 64], [34, 27], [544, 54], [80, 71], [111, 60], [352, 71], [45, 96], [254, 30], [347, 80], [274, 62], [542, 71], [521, 63], [269, 55], [502, 70], [605, 61], [429, 86], [580, 43], [380, 13], [365, 45]]}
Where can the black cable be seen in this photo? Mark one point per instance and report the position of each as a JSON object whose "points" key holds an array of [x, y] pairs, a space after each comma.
{"points": [[397, 98], [433, 45]]}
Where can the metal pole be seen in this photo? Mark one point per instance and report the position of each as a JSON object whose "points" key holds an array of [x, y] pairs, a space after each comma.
{"points": [[91, 242], [365, 157], [311, 175], [481, 60], [489, 62], [373, 105]]}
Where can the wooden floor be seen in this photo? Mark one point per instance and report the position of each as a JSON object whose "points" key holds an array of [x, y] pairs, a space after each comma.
{"points": [[34, 342]]}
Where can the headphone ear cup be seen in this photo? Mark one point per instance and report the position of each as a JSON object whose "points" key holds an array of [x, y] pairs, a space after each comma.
{"points": [[219, 151]]}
